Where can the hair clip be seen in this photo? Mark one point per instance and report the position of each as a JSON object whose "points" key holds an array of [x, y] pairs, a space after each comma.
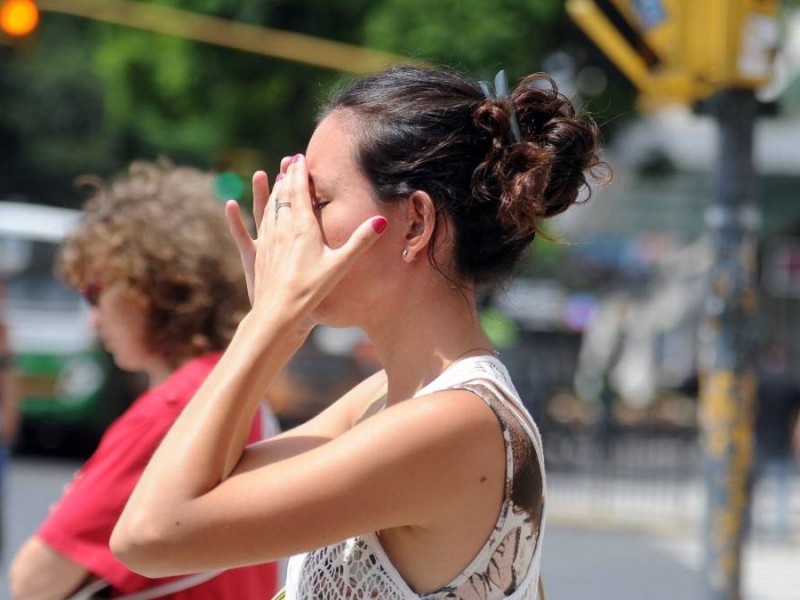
{"points": [[501, 92]]}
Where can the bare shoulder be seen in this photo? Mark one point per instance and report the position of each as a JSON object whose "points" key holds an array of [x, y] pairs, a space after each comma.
{"points": [[444, 450], [451, 438], [455, 417]]}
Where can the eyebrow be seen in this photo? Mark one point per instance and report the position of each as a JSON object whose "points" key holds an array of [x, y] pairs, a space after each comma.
{"points": [[316, 183]]}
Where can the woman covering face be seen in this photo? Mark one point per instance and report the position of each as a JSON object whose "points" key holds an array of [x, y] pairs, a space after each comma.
{"points": [[417, 189]]}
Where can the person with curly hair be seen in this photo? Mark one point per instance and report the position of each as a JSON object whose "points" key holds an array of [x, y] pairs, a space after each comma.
{"points": [[153, 259], [418, 188]]}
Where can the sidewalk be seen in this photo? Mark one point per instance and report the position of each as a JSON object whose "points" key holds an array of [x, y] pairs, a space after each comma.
{"points": [[669, 517]]}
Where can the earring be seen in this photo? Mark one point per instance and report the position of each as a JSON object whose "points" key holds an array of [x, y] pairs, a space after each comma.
{"points": [[405, 253]]}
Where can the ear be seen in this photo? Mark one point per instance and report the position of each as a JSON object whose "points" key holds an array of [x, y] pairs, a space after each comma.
{"points": [[420, 224]]}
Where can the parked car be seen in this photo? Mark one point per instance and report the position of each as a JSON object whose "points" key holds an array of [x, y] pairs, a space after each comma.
{"points": [[70, 389]]}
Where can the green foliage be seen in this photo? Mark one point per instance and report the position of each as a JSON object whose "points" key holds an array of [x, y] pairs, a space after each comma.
{"points": [[87, 97], [477, 35], [51, 114]]}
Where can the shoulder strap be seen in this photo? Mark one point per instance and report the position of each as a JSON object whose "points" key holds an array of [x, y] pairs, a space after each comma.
{"points": [[516, 408]]}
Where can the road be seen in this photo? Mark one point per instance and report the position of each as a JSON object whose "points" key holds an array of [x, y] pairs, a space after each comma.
{"points": [[579, 562]]}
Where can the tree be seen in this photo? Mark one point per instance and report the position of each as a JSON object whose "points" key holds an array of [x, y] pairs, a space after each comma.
{"points": [[86, 97]]}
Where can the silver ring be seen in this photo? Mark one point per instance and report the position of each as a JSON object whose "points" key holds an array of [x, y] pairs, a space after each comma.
{"points": [[281, 205]]}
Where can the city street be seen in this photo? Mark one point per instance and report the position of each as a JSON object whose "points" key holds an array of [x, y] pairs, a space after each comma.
{"points": [[579, 561]]}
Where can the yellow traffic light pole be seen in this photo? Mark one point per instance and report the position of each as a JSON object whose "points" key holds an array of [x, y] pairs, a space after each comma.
{"points": [[277, 43], [598, 27], [718, 51], [663, 85], [728, 386]]}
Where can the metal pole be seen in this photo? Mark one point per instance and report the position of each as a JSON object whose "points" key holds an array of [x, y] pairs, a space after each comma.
{"points": [[728, 389], [288, 45]]}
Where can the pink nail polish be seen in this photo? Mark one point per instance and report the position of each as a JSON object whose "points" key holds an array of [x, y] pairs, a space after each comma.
{"points": [[278, 177], [379, 224], [296, 158]]}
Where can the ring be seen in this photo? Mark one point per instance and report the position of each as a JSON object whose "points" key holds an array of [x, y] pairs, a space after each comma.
{"points": [[281, 205]]}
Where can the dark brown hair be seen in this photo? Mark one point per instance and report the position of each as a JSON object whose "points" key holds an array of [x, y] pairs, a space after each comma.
{"points": [[432, 130], [159, 229]]}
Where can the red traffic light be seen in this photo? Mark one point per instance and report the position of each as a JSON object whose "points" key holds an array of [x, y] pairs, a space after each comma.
{"points": [[18, 17]]}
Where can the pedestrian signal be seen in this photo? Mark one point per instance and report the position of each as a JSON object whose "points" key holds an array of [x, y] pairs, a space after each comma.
{"points": [[18, 18]]}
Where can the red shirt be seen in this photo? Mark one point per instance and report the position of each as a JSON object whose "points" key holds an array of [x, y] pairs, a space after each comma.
{"points": [[80, 525]]}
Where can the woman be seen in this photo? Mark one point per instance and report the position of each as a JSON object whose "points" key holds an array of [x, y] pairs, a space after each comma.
{"points": [[166, 293], [426, 480]]}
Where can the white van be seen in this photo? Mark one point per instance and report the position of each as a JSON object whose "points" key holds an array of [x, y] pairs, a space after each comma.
{"points": [[70, 390]]}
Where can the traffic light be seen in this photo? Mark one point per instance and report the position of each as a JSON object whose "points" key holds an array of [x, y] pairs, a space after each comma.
{"points": [[18, 18], [684, 50], [733, 42]]}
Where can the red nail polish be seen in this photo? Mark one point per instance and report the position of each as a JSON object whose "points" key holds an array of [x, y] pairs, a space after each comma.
{"points": [[379, 224]]}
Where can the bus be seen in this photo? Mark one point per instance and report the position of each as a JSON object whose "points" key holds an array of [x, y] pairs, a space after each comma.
{"points": [[70, 390]]}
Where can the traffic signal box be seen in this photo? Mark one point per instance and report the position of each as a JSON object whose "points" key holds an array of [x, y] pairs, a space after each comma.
{"points": [[683, 50], [18, 18]]}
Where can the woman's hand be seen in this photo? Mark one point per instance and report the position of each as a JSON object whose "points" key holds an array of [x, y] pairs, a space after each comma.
{"points": [[241, 235], [288, 266]]}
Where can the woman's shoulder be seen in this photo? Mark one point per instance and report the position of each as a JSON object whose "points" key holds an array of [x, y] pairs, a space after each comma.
{"points": [[450, 423]]}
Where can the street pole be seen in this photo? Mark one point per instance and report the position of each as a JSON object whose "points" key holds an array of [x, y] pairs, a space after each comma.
{"points": [[287, 45], [728, 389]]}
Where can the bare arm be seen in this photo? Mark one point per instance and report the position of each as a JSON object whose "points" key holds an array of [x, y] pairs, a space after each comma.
{"points": [[40, 573], [414, 464]]}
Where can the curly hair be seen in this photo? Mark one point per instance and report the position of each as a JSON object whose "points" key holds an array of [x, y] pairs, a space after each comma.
{"points": [[159, 229]]}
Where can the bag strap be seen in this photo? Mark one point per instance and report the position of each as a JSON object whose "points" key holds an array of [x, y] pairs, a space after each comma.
{"points": [[281, 595], [171, 587], [89, 590]]}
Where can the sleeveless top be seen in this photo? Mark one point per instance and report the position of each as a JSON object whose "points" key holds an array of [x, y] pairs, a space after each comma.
{"points": [[508, 564]]}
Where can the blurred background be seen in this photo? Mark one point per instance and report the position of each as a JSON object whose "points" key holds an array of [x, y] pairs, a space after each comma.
{"points": [[605, 325]]}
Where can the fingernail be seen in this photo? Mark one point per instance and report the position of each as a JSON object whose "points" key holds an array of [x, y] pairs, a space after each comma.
{"points": [[278, 177], [379, 224], [295, 158]]}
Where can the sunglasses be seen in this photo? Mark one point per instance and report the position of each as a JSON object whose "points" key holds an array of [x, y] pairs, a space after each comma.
{"points": [[91, 293]]}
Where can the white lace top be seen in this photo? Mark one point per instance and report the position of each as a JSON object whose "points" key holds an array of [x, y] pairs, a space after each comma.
{"points": [[507, 566]]}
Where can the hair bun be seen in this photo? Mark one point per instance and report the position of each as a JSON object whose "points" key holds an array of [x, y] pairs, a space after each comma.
{"points": [[544, 174]]}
